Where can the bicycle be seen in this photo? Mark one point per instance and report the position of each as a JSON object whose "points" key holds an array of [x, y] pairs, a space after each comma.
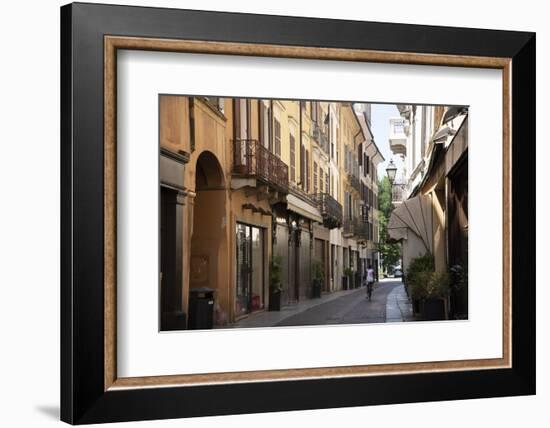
{"points": [[369, 290]]}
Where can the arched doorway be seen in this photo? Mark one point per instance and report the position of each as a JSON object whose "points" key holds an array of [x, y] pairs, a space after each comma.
{"points": [[209, 264]]}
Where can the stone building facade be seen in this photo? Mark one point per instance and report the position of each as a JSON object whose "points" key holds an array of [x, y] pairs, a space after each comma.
{"points": [[261, 178]]}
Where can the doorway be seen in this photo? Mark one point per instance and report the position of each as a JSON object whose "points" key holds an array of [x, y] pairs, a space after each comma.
{"points": [[250, 281], [172, 315]]}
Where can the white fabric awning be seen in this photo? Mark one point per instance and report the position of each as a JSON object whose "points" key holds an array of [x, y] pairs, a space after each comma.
{"points": [[303, 208], [414, 215]]}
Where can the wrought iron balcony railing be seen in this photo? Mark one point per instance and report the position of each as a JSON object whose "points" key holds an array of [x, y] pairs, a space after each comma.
{"points": [[330, 209], [321, 137], [361, 230], [251, 159], [356, 227], [398, 192], [354, 182]]}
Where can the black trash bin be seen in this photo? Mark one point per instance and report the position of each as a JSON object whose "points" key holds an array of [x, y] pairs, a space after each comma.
{"points": [[201, 308]]}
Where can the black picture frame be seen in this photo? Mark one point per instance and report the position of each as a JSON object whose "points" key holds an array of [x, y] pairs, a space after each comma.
{"points": [[83, 399]]}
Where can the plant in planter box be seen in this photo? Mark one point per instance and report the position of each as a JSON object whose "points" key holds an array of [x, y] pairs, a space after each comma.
{"points": [[275, 284], [318, 276]]}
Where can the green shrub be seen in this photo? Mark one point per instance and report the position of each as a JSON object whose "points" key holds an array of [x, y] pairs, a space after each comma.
{"points": [[438, 285], [317, 270], [424, 282], [348, 271], [418, 274]]}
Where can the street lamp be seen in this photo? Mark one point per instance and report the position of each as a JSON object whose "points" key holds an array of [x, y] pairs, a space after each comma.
{"points": [[391, 171]]}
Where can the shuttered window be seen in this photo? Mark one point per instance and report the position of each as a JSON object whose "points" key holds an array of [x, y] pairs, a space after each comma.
{"points": [[307, 171], [265, 121], [314, 177], [277, 137], [346, 204], [241, 118], [292, 158], [237, 118], [346, 159], [302, 167], [314, 113]]}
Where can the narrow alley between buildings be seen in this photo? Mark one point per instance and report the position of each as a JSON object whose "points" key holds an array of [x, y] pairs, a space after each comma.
{"points": [[389, 303]]}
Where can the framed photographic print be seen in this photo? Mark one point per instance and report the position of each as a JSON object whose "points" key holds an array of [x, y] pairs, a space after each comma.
{"points": [[266, 213]]}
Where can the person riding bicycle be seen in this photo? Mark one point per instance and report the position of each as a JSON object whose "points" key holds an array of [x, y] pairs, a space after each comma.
{"points": [[370, 281]]}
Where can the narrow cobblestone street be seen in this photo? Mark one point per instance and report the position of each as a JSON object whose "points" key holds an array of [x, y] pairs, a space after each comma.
{"points": [[389, 304]]}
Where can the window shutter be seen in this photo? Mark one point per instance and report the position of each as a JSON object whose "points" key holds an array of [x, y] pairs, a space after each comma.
{"points": [[248, 118], [346, 159], [277, 138], [292, 158], [314, 177], [261, 118], [302, 167], [307, 171], [237, 118]]}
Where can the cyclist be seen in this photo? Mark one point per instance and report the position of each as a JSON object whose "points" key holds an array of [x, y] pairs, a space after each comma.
{"points": [[370, 281]]}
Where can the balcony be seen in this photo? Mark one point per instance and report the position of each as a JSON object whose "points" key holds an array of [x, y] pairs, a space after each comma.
{"points": [[356, 227], [252, 160], [361, 230], [330, 209], [398, 136], [321, 137], [398, 193], [354, 182]]}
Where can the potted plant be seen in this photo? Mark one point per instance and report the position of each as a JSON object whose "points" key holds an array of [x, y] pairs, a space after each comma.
{"points": [[437, 289], [428, 289], [416, 277], [346, 279], [275, 284], [318, 276]]}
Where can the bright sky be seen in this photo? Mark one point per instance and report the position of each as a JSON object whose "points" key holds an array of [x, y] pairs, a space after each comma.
{"points": [[380, 121]]}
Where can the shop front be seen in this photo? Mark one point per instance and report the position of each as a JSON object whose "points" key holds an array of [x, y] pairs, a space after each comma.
{"points": [[251, 284]]}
